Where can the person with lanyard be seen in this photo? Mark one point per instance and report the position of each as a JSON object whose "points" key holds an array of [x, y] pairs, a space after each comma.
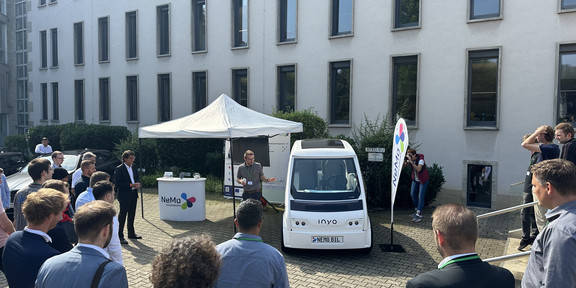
{"points": [[455, 232], [246, 260], [251, 176]]}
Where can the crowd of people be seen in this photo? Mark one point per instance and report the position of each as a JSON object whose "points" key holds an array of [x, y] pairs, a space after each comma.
{"points": [[71, 236]]}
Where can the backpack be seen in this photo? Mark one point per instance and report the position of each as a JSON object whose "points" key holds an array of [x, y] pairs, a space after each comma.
{"points": [[423, 175]]}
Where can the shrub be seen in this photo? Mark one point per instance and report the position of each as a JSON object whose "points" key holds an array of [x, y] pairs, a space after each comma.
{"points": [[16, 143], [204, 156], [313, 126], [377, 175], [77, 136], [146, 154]]}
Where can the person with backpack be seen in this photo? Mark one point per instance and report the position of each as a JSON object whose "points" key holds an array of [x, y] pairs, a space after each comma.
{"points": [[419, 182]]}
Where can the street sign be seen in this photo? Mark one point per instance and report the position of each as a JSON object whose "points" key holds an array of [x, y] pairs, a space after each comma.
{"points": [[377, 150], [375, 157]]}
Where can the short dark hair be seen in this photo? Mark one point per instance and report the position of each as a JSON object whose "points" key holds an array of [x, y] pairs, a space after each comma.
{"points": [[58, 185], [457, 224], [60, 173], [37, 166], [98, 176], [559, 173], [91, 217], [56, 153], [192, 261], [101, 188], [86, 163], [249, 214]]}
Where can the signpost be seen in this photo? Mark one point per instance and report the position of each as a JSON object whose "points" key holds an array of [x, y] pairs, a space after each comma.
{"points": [[375, 154]]}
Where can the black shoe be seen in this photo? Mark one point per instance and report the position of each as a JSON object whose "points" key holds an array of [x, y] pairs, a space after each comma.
{"points": [[523, 244], [123, 241], [134, 236]]}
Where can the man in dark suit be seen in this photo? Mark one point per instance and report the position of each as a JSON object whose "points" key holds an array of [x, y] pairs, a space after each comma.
{"points": [[26, 250], [455, 233], [78, 267], [126, 183]]}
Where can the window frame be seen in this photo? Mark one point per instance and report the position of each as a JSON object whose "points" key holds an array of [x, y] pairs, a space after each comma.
{"points": [[566, 9], [78, 43], [55, 102], [104, 39], [396, 61], [332, 84], [163, 35], [164, 97], [490, 53], [196, 104], [79, 101], [129, 37], [43, 49], [132, 99], [3, 43], [104, 100], [44, 91], [237, 75], [408, 26], [487, 17], [282, 70], [235, 41], [563, 49], [54, 47], [335, 21], [282, 25], [198, 33]]}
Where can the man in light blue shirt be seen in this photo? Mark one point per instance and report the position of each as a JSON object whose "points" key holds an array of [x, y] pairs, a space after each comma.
{"points": [[87, 195], [246, 260], [5, 190]]}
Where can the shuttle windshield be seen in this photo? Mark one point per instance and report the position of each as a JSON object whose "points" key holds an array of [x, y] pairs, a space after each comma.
{"points": [[325, 179]]}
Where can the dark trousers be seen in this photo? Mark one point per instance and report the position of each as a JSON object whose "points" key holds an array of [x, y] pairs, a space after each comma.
{"points": [[127, 207], [529, 228]]}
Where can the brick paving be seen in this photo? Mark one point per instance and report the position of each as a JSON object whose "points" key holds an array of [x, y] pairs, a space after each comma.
{"points": [[311, 268]]}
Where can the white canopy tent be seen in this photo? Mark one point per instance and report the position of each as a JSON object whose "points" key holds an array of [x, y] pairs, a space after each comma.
{"points": [[223, 118]]}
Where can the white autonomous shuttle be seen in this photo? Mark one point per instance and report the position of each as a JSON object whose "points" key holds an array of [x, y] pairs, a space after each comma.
{"points": [[325, 202]]}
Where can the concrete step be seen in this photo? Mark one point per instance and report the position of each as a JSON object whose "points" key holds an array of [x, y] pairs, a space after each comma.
{"points": [[517, 265]]}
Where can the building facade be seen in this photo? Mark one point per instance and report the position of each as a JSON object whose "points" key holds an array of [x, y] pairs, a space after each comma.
{"points": [[469, 77]]}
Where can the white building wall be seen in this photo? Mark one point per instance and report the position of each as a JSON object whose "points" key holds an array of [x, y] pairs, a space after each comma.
{"points": [[528, 36]]}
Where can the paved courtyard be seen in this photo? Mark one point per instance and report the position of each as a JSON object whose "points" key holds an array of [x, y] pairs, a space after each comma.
{"points": [[305, 268]]}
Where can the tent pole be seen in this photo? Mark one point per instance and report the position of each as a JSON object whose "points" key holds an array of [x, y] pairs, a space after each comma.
{"points": [[233, 181]]}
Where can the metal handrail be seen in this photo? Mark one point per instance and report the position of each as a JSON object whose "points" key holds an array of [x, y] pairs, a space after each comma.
{"points": [[503, 211]]}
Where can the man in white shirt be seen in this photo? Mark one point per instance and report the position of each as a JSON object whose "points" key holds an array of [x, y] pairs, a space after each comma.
{"points": [[104, 190], [43, 148]]}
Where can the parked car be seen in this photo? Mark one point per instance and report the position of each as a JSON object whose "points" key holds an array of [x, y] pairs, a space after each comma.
{"points": [[105, 161], [11, 162]]}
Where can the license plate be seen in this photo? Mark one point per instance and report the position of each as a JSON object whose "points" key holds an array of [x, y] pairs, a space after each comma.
{"points": [[327, 239]]}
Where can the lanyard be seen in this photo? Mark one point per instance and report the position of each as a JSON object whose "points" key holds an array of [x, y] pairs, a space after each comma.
{"points": [[249, 239], [459, 260]]}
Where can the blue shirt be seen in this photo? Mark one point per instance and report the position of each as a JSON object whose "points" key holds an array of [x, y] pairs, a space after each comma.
{"points": [[5, 192], [548, 151], [84, 198], [249, 262], [551, 262]]}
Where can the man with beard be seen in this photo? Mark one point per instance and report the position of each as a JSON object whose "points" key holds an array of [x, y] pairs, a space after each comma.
{"points": [[87, 263], [455, 232]]}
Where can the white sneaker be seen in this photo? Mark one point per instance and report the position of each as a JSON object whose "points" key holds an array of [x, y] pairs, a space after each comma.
{"points": [[417, 218]]}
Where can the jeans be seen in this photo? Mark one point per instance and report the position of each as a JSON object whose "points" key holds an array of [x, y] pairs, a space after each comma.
{"points": [[418, 194]]}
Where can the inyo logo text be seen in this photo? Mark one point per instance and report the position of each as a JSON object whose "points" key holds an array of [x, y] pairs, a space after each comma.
{"points": [[189, 201]]}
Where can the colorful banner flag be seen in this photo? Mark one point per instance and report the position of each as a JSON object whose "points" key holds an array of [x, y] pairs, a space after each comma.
{"points": [[399, 147]]}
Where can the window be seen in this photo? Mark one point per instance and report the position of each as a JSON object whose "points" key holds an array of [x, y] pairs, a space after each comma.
{"points": [[287, 21], [104, 88], [198, 25], [287, 88], [164, 101], [79, 43], [55, 103], [3, 7], [103, 40], [54, 39], [567, 83], [407, 13], [340, 92], [163, 29], [131, 35], [42, 3], [479, 184], [3, 31], [43, 50], [568, 4], [483, 82], [342, 11], [79, 100], [482, 9], [44, 88], [200, 95], [405, 88], [132, 98], [240, 23], [240, 86]]}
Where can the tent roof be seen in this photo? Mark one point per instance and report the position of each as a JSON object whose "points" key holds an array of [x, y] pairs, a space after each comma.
{"points": [[223, 118]]}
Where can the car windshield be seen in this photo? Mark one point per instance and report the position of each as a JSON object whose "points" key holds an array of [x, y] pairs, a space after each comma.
{"points": [[69, 163], [325, 179]]}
